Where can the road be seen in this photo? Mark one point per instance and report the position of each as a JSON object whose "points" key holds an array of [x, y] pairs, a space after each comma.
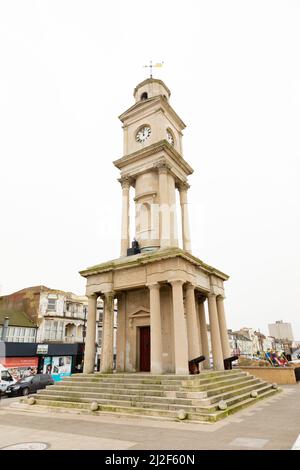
{"points": [[270, 424]]}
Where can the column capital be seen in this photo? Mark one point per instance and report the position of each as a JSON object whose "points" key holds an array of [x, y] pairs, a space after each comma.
{"points": [[120, 295], [211, 295], [190, 286], [108, 295], [221, 297], [93, 295], [201, 297], [125, 181], [183, 186], [162, 166], [176, 282], [153, 285]]}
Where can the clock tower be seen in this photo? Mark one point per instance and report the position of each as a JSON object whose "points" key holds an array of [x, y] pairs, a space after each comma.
{"points": [[161, 290], [154, 166]]}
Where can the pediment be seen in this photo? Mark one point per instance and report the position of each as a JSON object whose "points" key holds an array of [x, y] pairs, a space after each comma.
{"points": [[139, 313]]}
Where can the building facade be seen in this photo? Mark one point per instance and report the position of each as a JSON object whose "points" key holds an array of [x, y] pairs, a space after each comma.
{"points": [[281, 330], [54, 322]]}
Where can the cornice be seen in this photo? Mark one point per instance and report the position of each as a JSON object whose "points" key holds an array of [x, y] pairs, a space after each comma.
{"points": [[162, 145], [142, 259], [151, 80], [144, 195], [151, 103]]}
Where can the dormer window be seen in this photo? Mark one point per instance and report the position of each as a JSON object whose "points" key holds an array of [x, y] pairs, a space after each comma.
{"points": [[144, 96]]}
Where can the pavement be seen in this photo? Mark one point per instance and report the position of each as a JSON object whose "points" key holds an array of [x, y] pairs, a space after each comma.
{"points": [[273, 423]]}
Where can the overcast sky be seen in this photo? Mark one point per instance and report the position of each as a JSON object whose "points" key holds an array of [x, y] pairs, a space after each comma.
{"points": [[68, 69]]}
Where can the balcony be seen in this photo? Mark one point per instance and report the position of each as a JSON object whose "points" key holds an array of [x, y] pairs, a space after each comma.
{"points": [[73, 339]]}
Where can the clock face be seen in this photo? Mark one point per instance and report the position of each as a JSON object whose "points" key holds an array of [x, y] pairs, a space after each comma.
{"points": [[170, 137], [143, 134]]}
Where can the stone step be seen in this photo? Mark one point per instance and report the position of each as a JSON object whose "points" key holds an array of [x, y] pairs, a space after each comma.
{"points": [[213, 417], [140, 395], [221, 388], [112, 391], [138, 376], [110, 409], [220, 383], [118, 386], [154, 402], [91, 396], [241, 396], [166, 414], [167, 385], [128, 380], [149, 379], [156, 396], [212, 382], [126, 403], [247, 386]]}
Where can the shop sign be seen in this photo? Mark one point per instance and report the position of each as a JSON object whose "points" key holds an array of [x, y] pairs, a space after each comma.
{"points": [[42, 349]]}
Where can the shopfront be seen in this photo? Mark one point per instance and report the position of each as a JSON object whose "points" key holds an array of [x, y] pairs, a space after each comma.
{"points": [[59, 360]]}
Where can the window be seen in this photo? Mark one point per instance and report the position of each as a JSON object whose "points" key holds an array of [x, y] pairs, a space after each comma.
{"points": [[51, 304], [144, 96], [5, 375], [54, 330], [29, 335], [100, 336]]}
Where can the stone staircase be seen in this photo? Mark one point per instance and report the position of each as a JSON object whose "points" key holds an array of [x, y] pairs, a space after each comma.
{"points": [[194, 397]]}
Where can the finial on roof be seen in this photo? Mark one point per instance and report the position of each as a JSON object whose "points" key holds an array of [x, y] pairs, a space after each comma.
{"points": [[150, 66]]}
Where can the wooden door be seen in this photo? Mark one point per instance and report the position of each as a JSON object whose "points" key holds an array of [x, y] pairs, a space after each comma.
{"points": [[145, 348]]}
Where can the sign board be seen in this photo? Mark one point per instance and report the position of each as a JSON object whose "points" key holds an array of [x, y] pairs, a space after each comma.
{"points": [[42, 349]]}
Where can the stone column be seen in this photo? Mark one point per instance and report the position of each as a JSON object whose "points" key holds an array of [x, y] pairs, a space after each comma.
{"points": [[121, 332], [155, 329], [107, 351], [125, 229], [186, 239], [90, 339], [180, 332], [164, 205], [192, 324], [203, 334], [215, 333], [223, 328]]}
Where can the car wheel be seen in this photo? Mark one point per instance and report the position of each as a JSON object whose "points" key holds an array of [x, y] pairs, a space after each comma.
{"points": [[25, 392]]}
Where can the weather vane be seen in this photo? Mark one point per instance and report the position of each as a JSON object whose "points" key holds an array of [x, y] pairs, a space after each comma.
{"points": [[158, 64]]}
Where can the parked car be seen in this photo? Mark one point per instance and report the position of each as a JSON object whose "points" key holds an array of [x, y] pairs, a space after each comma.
{"points": [[29, 384], [6, 379]]}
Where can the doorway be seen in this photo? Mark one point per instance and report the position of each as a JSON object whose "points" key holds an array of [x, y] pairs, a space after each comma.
{"points": [[144, 348]]}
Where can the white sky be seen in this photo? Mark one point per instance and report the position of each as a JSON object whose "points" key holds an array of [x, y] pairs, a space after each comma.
{"points": [[68, 69]]}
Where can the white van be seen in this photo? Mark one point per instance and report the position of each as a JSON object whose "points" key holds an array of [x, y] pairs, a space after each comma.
{"points": [[6, 379]]}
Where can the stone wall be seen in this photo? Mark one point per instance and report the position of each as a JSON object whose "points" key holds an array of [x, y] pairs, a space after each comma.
{"points": [[279, 375]]}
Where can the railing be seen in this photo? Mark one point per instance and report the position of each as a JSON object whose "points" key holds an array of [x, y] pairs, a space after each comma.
{"points": [[73, 339]]}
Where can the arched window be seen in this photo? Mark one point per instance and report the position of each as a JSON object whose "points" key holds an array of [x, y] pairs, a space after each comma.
{"points": [[144, 96]]}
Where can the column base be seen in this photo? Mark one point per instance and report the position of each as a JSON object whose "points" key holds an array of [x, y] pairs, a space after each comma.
{"points": [[182, 371], [106, 371], [88, 370], [156, 371]]}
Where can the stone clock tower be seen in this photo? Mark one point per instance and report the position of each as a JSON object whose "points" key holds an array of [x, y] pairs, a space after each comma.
{"points": [[153, 164], [161, 291]]}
